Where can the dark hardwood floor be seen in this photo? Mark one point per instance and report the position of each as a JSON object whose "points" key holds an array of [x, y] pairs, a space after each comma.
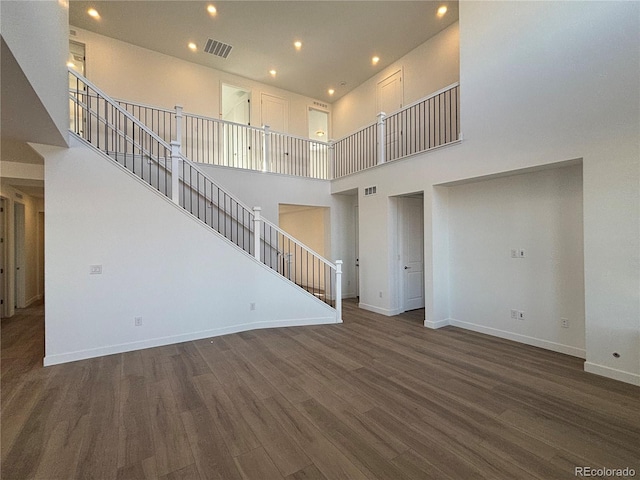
{"points": [[375, 397]]}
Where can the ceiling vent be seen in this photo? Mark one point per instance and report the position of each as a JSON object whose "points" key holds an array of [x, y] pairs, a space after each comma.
{"points": [[217, 48]]}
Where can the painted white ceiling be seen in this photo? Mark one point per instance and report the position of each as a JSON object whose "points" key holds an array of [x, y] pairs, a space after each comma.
{"points": [[339, 38]]}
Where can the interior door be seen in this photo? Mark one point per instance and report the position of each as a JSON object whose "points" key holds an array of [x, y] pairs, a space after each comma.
{"points": [[390, 93], [390, 99], [19, 234], [3, 277], [412, 231], [275, 114]]}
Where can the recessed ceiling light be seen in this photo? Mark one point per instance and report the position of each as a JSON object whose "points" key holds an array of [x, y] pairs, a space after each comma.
{"points": [[297, 44], [375, 60], [331, 91], [211, 9], [272, 73], [442, 10], [93, 13], [192, 46]]}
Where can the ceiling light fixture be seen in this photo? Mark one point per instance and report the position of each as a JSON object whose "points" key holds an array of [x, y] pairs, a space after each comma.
{"points": [[320, 133], [272, 73], [212, 10], [192, 46], [442, 10], [71, 65], [375, 60], [93, 13], [331, 91], [297, 44]]}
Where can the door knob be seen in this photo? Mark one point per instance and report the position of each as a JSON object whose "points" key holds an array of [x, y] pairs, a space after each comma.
{"points": [[406, 268]]}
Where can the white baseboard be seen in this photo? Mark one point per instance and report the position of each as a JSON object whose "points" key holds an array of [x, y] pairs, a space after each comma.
{"points": [[615, 374], [159, 342], [516, 337], [381, 311], [437, 324], [32, 300]]}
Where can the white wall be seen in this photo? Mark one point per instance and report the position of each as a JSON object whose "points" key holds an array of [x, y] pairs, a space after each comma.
{"points": [[541, 213], [128, 72], [158, 263], [426, 69], [540, 86], [40, 52]]}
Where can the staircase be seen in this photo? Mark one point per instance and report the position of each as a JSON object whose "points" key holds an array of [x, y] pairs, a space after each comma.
{"points": [[108, 127]]}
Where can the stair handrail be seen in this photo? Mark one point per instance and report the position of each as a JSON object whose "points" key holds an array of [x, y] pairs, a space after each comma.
{"points": [[192, 165], [299, 243]]}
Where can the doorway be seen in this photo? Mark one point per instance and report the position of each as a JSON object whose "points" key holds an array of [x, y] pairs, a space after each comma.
{"points": [[235, 104], [3, 259], [19, 235], [411, 246], [390, 96]]}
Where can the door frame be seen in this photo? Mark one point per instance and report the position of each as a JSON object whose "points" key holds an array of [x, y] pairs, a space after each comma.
{"points": [[19, 233], [5, 309], [244, 88], [400, 254]]}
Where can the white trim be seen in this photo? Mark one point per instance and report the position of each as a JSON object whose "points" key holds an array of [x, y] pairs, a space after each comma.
{"points": [[32, 300], [613, 373], [437, 324], [186, 337], [381, 311], [516, 337]]}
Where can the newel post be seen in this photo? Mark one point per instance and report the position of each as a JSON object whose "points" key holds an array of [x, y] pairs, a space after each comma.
{"points": [[339, 291], [332, 160], [175, 172], [256, 232], [382, 139], [179, 125], [266, 148]]}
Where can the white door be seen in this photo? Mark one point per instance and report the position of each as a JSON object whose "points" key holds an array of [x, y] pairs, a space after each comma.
{"points": [[3, 276], [412, 231], [19, 255], [275, 112], [239, 149], [389, 93], [390, 99], [356, 222]]}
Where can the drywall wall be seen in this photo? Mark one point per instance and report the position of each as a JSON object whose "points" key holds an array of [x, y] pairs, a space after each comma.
{"points": [[305, 223], [426, 69], [540, 88], [128, 72], [540, 213], [35, 82], [157, 263]]}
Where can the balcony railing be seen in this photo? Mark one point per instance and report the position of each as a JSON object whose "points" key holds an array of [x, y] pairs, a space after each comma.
{"points": [[429, 123]]}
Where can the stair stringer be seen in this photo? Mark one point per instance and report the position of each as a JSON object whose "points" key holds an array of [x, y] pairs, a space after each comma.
{"points": [[158, 262]]}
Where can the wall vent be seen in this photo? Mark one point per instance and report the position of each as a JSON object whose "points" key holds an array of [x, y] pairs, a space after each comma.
{"points": [[73, 33], [217, 48], [18, 195], [323, 105], [370, 191]]}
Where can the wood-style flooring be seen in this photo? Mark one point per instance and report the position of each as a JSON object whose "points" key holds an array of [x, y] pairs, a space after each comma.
{"points": [[375, 397]]}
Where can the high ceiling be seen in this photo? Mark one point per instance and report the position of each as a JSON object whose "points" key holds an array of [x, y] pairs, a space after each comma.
{"points": [[339, 38]]}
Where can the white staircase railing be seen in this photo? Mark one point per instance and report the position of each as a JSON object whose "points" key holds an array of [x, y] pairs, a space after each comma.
{"points": [[110, 128], [220, 142]]}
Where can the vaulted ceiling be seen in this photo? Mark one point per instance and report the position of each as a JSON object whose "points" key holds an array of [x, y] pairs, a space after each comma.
{"points": [[339, 38]]}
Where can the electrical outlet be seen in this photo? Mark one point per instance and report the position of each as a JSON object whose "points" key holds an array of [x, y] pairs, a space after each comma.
{"points": [[514, 253], [514, 314], [564, 322], [95, 269], [380, 294], [521, 315], [252, 306], [137, 321], [522, 253]]}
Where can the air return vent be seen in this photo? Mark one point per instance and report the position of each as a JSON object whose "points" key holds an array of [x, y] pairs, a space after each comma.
{"points": [[370, 191], [217, 48]]}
